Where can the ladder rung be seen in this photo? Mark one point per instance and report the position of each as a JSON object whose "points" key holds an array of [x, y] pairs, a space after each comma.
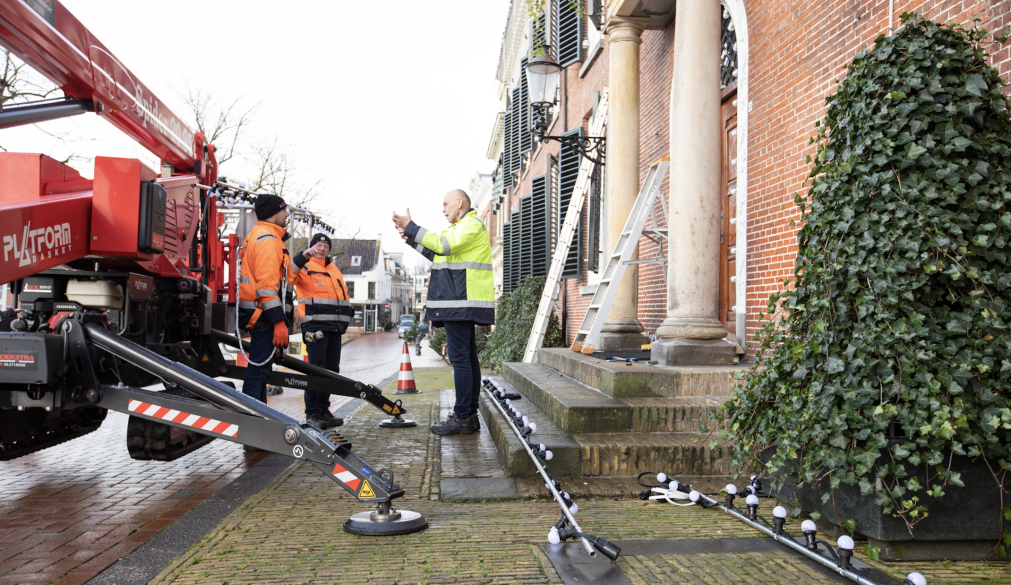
{"points": [[597, 306]]}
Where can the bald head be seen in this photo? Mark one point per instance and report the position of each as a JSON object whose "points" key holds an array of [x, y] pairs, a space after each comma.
{"points": [[455, 204]]}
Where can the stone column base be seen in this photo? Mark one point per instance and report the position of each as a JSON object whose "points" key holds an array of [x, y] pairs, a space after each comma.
{"points": [[618, 341], [693, 352]]}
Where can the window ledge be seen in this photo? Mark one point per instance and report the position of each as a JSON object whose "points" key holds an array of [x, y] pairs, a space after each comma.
{"points": [[591, 56], [588, 289]]}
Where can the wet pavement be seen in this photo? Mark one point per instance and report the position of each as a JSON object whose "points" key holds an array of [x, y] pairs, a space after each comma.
{"points": [[69, 512]]}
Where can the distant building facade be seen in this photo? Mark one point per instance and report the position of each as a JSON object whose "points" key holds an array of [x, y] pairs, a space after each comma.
{"points": [[377, 282]]}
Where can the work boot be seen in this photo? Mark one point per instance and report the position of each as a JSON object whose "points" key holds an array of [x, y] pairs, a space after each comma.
{"points": [[453, 426], [322, 421], [475, 421], [334, 421]]}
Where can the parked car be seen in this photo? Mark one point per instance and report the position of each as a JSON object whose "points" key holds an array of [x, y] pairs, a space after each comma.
{"points": [[406, 322]]}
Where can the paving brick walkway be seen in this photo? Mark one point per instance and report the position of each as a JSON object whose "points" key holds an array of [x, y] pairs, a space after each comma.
{"points": [[291, 532], [68, 512]]}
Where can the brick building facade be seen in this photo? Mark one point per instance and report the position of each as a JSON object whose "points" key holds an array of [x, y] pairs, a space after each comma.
{"points": [[789, 57]]}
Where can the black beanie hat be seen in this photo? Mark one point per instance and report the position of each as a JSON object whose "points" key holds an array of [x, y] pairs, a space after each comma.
{"points": [[267, 206], [320, 237]]}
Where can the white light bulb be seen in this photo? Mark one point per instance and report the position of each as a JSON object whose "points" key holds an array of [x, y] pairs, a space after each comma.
{"points": [[541, 447], [533, 427], [808, 526], [694, 496], [731, 489], [509, 402], [242, 185], [779, 512], [553, 537], [565, 495], [751, 500], [661, 477], [674, 485], [845, 542], [916, 579], [574, 508], [548, 456], [525, 421], [753, 477]]}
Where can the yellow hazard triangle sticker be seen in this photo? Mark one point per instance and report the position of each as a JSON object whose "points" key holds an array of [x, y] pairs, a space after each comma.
{"points": [[366, 491]]}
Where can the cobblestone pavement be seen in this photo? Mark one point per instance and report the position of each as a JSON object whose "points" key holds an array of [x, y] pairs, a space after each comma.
{"points": [[68, 512], [291, 532]]}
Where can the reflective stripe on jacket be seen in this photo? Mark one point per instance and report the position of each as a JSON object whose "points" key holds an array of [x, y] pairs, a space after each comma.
{"points": [[462, 287], [323, 303], [263, 263]]}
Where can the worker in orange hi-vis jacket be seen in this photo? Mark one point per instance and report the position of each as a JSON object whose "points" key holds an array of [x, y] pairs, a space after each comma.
{"points": [[264, 261], [324, 313]]}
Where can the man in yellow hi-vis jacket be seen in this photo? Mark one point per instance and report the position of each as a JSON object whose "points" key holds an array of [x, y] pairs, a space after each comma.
{"points": [[461, 294]]}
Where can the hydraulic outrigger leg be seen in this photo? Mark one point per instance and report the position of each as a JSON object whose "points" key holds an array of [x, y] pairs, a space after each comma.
{"points": [[310, 377], [233, 416]]}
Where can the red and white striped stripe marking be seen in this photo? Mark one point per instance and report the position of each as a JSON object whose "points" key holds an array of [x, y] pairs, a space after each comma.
{"points": [[346, 477], [190, 420]]}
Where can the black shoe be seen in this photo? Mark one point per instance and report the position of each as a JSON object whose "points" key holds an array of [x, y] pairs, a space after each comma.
{"points": [[334, 421], [475, 421], [322, 422], [453, 426]]}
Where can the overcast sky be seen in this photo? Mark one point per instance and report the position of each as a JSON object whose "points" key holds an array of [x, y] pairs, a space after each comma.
{"points": [[390, 103]]}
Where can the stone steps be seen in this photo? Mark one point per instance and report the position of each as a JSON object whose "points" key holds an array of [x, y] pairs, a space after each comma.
{"points": [[571, 406], [617, 380], [673, 415], [515, 460], [651, 448], [676, 454]]}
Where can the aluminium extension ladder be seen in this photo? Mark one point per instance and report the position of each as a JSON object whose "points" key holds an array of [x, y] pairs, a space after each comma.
{"points": [[579, 191], [618, 263], [614, 272]]}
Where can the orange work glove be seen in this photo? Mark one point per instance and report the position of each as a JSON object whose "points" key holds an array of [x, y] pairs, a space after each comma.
{"points": [[280, 334]]}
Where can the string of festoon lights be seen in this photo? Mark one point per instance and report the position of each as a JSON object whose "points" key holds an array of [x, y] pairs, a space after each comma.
{"points": [[524, 428], [237, 197], [838, 558]]}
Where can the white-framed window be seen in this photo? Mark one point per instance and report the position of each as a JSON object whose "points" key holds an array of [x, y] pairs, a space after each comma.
{"points": [[356, 260]]}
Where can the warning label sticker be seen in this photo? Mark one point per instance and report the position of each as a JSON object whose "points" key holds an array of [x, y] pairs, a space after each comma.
{"points": [[18, 361], [366, 491]]}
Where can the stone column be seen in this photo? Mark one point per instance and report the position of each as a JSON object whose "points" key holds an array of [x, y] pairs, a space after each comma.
{"points": [[692, 333], [622, 329]]}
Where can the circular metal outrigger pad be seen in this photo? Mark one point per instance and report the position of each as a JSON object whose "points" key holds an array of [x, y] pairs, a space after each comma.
{"points": [[388, 522], [397, 423]]}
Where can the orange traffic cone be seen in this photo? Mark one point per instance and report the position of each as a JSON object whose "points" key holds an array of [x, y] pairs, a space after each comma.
{"points": [[405, 383]]}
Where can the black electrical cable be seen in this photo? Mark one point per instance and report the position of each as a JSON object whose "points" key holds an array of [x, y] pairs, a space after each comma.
{"points": [[649, 485]]}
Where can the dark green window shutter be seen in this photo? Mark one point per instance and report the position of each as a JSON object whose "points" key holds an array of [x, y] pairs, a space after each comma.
{"points": [[507, 156], [517, 108], [498, 185], [507, 254], [568, 171], [569, 34], [526, 139], [517, 257], [540, 220], [593, 219]]}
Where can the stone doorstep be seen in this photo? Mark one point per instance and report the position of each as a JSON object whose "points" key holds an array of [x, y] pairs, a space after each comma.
{"points": [[670, 415], [612, 454], [618, 380], [676, 454], [515, 460], [573, 407]]}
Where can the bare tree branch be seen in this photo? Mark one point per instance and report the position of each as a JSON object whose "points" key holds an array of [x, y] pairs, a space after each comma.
{"points": [[224, 126]]}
